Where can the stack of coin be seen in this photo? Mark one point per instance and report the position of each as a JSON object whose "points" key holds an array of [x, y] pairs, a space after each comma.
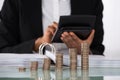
{"points": [[22, 69], [59, 61], [84, 56], [73, 58], [34, 66], [47, 63]]}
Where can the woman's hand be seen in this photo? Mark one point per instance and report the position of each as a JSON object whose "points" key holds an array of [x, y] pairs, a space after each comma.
{"points": [[72, 41], [49, 32], [47, 36]]}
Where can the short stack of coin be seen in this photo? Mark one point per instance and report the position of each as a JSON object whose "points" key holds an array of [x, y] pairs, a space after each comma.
{"points": [[84, 56], [73, 58], [47, 63], [22, 69], [34, 66], [59, 61]]}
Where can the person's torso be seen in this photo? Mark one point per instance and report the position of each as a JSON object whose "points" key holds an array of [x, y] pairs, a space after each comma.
{"points": [[30, 15]]}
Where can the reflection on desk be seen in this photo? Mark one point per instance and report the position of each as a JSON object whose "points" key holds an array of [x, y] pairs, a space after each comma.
{"points": [[10, 73], [16, 79]]}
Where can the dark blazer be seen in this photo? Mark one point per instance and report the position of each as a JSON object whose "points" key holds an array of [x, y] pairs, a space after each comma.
{"points": [[21, 24]]}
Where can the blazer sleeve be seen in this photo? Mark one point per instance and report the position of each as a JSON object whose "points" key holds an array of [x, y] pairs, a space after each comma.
{"points": [[9, 30], [97, 47]]}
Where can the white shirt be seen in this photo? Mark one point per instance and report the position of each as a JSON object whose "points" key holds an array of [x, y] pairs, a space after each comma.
{"points": [[51, 11]]}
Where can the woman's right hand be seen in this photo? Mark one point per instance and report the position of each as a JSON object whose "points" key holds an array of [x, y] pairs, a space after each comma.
{"points": [[47, 36], [49, 32]]}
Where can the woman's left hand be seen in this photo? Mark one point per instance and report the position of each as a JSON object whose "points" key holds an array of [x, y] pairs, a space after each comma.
{"points": [[72, 41]]}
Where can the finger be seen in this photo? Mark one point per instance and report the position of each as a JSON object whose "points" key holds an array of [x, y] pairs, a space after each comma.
{"points": [[91, 36], [71, 43], [68, 45], [65, 34], [67, 39], [77, 40], [52, 29], [75, 37], [49, 32], [55, 24]]}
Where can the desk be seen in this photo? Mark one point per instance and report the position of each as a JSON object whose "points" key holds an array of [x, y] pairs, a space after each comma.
{"points": [[12, 73], [10, 63]]}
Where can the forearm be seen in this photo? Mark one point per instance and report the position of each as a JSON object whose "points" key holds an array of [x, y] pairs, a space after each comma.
{"points": [[25, 47]]}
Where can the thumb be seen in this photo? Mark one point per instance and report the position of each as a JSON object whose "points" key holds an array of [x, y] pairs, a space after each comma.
{"points": [[91, 36]]}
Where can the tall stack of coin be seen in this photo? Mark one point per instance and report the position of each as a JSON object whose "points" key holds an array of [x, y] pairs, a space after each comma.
{"points": [[47, 63], [34, 65], [73, 58], [84, 56], [59, 61]]}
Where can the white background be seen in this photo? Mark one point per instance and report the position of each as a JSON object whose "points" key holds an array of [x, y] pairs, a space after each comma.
{"points": [[111, 22], [112, 27]]}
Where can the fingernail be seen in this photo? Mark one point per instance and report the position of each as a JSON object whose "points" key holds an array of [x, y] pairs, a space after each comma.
{"points": [[61, 38], [71, 33], [54, 22]]}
